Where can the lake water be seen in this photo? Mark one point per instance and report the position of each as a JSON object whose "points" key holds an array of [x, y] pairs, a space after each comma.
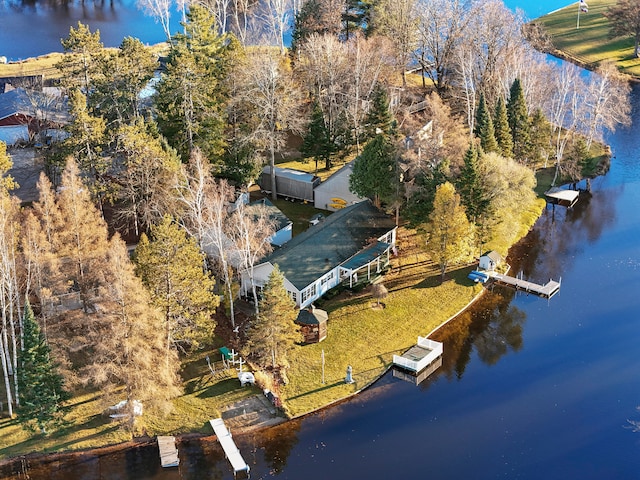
{"points": [[529, 388]]}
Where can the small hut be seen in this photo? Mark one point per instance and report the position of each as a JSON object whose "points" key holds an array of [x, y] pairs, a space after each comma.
{"points": [[313, 324], [490, 261]]}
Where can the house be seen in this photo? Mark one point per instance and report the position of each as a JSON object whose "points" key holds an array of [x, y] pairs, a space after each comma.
{"points": [[490, 261], [351, 245], [282, 225], [290, 183], [26, 115], [334, 194], [313, 324]]}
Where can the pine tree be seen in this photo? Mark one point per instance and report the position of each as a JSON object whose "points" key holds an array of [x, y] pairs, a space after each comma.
{"points": [[317, 142], [519, 122], [41, 390], [374, 170], [449, 234], [540, 137], [484, 129], [379, 119], [470, 186], [80, 238], [171, 266], [502, 130], [274, 332]]}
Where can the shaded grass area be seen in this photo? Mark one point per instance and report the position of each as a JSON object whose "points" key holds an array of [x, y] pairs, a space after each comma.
{"points": [[589, 44], [204, 397]]}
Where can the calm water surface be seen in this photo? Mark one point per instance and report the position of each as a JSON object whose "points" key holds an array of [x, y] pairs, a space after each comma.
{"points": [[529, 389]]}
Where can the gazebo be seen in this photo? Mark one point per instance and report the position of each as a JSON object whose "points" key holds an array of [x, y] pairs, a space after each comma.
{"points": [[313, 324]]}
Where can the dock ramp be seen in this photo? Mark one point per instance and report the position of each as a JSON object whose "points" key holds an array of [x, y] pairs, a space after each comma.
{"points": [[229, 446], [168, 452]]}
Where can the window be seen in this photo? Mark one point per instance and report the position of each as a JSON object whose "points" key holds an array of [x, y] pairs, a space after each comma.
{"points": [[327, 278], [308, 293], [294, 296]]}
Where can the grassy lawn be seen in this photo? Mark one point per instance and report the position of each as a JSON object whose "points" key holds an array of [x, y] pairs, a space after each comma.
{"points": [[86, 427], [589, 44], [367, 338]]}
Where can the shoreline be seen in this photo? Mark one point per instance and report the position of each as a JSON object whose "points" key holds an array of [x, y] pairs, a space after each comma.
{"points": [[143, 441]]}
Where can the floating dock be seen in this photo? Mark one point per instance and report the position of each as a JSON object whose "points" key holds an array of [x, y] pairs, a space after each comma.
{"points": [[229, 446], [423, 355], [547, 290], [168, 452]]}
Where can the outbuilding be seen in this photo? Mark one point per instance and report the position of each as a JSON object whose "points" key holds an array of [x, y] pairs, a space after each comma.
{"points": [[334, 194], [313, 324], [290, 183], [490, 261]]}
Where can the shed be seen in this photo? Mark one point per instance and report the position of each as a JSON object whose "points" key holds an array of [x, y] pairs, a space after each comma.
{"points": [[334, 194], [313, 324], [490, 260], [290, 183]]}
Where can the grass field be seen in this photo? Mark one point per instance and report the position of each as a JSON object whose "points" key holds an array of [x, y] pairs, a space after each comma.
{"points": [[590, 44]]}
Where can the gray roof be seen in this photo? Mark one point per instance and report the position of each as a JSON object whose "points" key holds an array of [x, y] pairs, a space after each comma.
{"points": [[323, 247], [291, 174], [312, 316], [279, 219], [18, 101], [494, 256]]}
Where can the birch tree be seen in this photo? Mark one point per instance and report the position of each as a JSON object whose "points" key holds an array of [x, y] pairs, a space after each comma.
{"points": [[160, 10], [253, 229], [275, 99]]}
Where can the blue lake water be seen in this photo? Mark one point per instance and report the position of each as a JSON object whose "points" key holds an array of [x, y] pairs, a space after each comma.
{"points": [[529, 388]]}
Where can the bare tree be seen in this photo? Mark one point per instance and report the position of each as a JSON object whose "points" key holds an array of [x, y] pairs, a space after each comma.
{"points": [[160, 10], [607, 101], [275, 98], [277, 17], [253, 229], [206, 217]]}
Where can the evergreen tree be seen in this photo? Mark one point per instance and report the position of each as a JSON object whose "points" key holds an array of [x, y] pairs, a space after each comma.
{"points": [[273, 333], [484, 129], [449, 234], [191, 94], [171, 266], [379, 119], [518, 116], [540, 138], [85, 50], [374, 170], [470, 186], [420, 202], [317, 142], [314, 17], [41, 390], [502, 130]]}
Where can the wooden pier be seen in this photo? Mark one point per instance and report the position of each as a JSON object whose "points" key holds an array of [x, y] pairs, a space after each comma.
{"points": [[168, 452], [547, 290], [229, 446]]}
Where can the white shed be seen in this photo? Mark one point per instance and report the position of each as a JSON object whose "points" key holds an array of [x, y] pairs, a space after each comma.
{"points": [[490, 261], [334, 194]]}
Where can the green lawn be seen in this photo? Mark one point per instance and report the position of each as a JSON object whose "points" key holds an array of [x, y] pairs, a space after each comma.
{"points": [[589, 44]]}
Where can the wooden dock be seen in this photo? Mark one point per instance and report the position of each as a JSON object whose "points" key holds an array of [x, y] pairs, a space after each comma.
{"points": [[547, 290], [229, 446], [168, 452]]}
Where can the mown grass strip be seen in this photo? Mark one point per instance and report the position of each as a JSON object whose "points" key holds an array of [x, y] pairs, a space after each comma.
{"points": [[590, 44]]}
